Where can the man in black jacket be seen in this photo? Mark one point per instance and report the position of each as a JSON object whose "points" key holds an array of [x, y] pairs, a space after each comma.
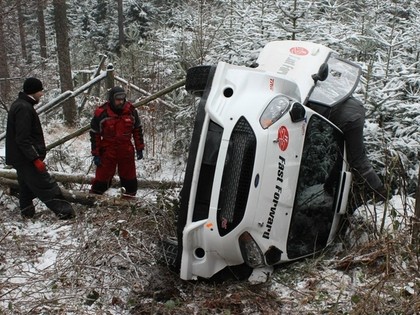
{"points": [[26, 151]]}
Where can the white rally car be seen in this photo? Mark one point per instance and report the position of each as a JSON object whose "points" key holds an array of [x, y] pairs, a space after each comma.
{"points": [[253, 192]]}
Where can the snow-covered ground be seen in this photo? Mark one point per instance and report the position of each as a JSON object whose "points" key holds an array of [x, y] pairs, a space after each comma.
{"points": [[107, 262]]}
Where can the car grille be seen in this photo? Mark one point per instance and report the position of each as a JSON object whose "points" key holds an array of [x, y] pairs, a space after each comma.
{"points": [[237, 176]]}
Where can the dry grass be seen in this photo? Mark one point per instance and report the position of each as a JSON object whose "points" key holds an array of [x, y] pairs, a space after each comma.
{"points": [[106, 261]]}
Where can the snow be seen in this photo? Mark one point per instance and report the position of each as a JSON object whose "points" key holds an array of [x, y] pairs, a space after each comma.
{"points": [[47, 265], [106, 261], [49, 244], [109, 256]]}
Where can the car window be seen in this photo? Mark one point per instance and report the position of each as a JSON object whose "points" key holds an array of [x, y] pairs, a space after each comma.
{"points": [[342, 80], [313, 210]]}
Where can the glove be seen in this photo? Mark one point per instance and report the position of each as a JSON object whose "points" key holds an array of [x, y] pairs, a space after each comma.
{"points": [[40, 166], [139, 154], [97, 160]]}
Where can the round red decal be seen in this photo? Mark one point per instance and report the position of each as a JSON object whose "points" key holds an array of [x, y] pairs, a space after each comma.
{"points": [[301, 51], [283, 137]]}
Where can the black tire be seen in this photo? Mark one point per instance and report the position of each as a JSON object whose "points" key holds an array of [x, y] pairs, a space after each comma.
{"points": [[237, 272], [169, 250], [196, 80]]}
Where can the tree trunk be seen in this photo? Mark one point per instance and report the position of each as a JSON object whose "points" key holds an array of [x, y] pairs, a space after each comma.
{"points": [[121, 37], [64, 65], [22, 32], [83, 198], [41, 29], [416, 219], [60, 177], [4, 68], [8, 179]]}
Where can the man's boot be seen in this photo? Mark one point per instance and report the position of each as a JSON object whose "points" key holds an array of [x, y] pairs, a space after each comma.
{"points": [[62, 209], [28, 212]]}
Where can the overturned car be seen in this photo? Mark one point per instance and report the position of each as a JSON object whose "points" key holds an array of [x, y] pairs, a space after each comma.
{"points": [[253, 192]]}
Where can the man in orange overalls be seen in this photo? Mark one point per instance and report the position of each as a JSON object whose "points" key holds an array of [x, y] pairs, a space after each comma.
{"points": [[113, 127]]}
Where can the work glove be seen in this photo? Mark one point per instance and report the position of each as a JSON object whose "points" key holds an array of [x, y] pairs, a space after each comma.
{"points": [[139, 154], [97, 160], [40, 166]]}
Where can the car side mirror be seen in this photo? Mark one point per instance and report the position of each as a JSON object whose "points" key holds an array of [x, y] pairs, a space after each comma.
{"points": [[297, 112], [322, 73]]}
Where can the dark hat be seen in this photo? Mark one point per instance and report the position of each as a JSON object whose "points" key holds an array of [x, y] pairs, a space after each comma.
{"points": [[32, 85], [119, 96], [117, 93]]}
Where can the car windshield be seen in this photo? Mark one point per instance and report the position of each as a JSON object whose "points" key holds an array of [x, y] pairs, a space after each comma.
{"points": [[313, 210]]}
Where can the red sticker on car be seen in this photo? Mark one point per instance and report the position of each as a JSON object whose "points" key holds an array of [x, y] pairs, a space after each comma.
{"points": [[301, 51], [224, 223], [271, 84], [283, 138]]}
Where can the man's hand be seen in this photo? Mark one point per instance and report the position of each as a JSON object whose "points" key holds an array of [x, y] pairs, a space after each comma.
{"points": [[97, 160], [139, 154], [40, 166]]}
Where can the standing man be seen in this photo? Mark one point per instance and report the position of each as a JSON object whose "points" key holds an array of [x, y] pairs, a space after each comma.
{"points": [[113, 127], [26, 151]]}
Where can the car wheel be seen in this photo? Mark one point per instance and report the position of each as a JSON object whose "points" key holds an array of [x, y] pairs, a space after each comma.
{"points": [[237, 272], [169, 250], [196, 79]]}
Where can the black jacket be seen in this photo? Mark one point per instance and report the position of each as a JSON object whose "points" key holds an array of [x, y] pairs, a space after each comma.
{"points": [[347, 115], [24, 136]]}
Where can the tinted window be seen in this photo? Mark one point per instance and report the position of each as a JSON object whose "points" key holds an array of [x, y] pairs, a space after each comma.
{"points": [[313, 209]]}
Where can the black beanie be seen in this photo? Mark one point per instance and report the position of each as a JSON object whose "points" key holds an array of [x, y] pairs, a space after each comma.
{"points": [[32, 85]]}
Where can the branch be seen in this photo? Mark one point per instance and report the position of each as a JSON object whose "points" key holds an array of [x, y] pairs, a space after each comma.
{"points": [[142, 102]]}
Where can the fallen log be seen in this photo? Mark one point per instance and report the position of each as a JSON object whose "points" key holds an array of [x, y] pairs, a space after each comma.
{"points": [[87, 179], [75, 196], [137, 104], [8, 179], [12, 188]]}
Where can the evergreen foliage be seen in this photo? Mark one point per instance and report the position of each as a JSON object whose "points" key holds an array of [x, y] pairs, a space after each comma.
{"points": [[165, 38]]}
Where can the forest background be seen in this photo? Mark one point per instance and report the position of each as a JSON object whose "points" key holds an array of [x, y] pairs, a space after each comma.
{"points": [[151, 44]]}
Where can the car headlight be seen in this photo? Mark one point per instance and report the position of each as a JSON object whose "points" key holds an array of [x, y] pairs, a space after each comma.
{"points": [[274, 111]]}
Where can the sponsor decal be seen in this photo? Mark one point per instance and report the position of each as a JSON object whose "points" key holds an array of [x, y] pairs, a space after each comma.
{"points": [[288, 65], [304, 126], [271, 84], [283, 138], [209, 226], [276, 197], [224, 223], [296, 54], [300, 51]]}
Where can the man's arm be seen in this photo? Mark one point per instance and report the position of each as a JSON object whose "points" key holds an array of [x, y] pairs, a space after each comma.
{"points": [[23, 127]]}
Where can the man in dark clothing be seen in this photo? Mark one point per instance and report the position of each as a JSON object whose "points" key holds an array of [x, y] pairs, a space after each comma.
{"points": [[26, 151], [113, 127], [349, 116]]}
